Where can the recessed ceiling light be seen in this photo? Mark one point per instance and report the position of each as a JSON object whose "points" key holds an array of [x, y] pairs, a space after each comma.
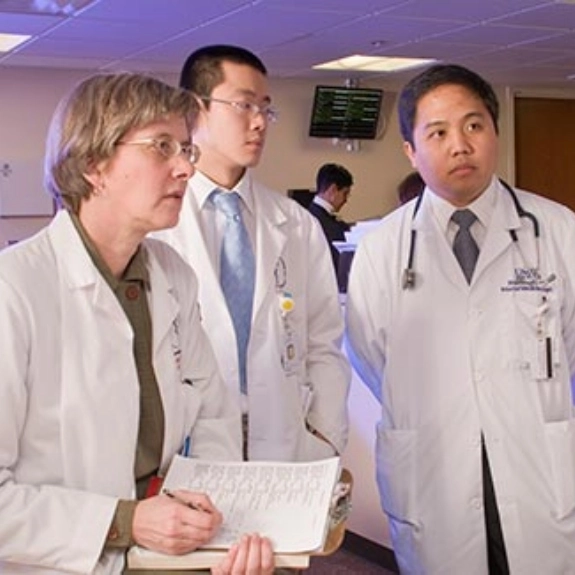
{"points": [[373, 64], [10, 41]]}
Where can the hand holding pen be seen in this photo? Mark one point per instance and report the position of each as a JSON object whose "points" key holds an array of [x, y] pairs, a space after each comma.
{"points": [[251, 554], [187, 502], [176, 523]]}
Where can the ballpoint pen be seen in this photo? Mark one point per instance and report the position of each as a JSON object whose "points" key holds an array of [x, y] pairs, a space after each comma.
{"points": [[185, 451], [171, 495]]}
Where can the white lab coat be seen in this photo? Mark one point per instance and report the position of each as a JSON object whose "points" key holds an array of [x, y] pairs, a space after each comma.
{"points": [[291, 256], [69, 397], [451, 361]]}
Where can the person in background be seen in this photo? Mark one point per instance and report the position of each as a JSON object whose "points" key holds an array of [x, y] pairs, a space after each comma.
{"points": [[470, 348], [333, 187], [267, 290], [410, 187], [105, 368]]}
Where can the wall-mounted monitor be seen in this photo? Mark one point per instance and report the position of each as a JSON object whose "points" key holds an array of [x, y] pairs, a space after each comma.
{"points": [[345, 113]]}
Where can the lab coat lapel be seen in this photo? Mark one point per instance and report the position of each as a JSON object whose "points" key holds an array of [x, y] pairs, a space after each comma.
{"points": [[92, 307], [497, 238], [213, 305], [433, 254], [271, 238], [78, 269], [163, 305]]}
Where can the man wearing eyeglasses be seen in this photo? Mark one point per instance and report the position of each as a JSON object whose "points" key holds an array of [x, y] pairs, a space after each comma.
{"points": [[267, 289]]}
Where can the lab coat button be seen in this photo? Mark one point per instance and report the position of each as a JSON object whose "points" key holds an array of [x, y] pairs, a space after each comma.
{"points": [[478, 375], [476, 503], [132, 292]]}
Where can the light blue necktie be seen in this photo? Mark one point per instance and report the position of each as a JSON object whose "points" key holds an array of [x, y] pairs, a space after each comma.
{"points": [[465, 247], [237, 272]]}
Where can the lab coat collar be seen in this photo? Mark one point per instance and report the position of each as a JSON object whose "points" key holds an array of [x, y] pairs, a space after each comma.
{"points": [[70, 248], [503, 218], [164, 306], [81, 273], [271, 239]]}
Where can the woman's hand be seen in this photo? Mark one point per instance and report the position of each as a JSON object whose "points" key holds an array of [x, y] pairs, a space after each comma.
{"points": [[252, 555], [175, 525]]}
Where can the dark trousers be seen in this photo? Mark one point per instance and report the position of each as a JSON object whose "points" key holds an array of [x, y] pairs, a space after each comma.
{"points": [[496, 554]]}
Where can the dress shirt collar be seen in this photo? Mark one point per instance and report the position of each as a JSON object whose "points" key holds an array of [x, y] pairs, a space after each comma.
{"points": [[203, 186], [483, 207], [323, 204]]}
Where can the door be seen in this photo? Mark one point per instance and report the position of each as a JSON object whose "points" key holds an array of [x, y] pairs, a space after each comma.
{"points": [[545, 147]]}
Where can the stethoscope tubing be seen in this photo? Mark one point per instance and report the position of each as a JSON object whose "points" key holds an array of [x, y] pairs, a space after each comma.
{"points": [[408, 277]]}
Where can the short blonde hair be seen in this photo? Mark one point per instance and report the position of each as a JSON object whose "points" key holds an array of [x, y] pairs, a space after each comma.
{"points": [[89, 122]]}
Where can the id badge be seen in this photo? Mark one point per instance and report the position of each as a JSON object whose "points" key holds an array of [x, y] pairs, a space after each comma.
{"points": [[289, 356], [544, 362]]}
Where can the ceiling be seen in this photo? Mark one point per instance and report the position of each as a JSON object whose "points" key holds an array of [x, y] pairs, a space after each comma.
{"points": [[521, 43]]}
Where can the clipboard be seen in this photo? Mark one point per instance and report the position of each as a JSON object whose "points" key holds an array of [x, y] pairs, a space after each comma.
{"points": [[339, 513], [202, 559]]}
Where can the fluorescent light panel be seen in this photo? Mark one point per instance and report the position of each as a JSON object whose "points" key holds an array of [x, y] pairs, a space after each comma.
{"points": [[373, 64], [55, 7], [10, 41]]}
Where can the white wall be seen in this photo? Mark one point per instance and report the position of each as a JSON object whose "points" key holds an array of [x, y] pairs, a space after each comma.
{"points": [[29, 95]]}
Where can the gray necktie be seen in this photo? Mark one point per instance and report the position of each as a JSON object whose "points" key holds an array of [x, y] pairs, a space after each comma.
{"points": [[464, 246], [237, 273]]}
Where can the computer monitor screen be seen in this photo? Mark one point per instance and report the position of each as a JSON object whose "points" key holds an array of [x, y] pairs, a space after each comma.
{"points": [[345, 113]]}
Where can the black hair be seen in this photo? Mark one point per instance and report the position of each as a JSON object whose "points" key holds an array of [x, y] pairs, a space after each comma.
{"points": [[333, 174], [202, 71], [439, 75]]}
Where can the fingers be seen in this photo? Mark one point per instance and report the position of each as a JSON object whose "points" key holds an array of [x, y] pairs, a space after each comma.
{"points": [[198, 501], [171, 526], [253, 555]]}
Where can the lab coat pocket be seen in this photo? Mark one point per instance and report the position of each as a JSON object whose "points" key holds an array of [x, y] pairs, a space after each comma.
{"points": [[560, 437], [396, 472]]}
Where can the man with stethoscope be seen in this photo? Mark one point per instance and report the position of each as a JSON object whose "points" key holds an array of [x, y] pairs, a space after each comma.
{"points": [[461, 320]]}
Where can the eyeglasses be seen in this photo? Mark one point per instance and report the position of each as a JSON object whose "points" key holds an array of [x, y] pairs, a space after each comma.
{"points": [[248, 108], [167, 147]]}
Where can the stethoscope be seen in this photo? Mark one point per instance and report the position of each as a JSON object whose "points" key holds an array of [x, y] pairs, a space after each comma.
{"points": [[408, 278]]}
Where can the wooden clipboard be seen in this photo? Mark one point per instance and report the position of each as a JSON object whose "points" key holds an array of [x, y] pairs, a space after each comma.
{"points": [[339, 515], [204, 559]]}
